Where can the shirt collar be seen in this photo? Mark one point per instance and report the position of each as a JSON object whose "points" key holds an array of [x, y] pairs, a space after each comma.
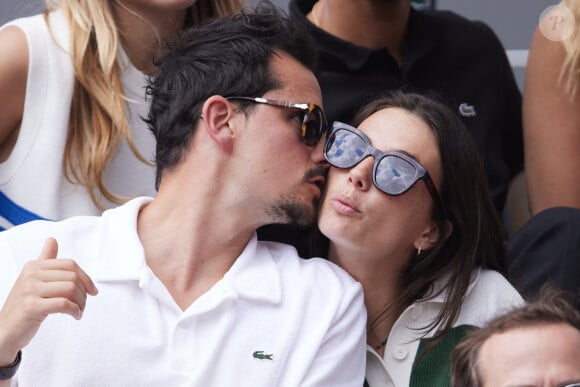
{"points": [[440, 289], [254, 274], [121, 254]]}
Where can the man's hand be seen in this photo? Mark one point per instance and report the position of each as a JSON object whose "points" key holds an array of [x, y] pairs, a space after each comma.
{"points": [[44, 286]]}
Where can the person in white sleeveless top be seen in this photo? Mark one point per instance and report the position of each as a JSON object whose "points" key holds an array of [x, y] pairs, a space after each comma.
{"points": [[72, 141]]}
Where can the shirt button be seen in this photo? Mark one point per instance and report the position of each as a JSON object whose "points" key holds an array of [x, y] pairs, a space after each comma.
{"points": [[400, 352], [416, 312]]}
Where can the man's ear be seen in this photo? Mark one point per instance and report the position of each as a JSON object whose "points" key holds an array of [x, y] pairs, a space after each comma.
{"points": [[217, 114]]}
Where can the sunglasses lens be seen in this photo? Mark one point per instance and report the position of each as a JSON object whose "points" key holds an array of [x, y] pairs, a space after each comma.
{"points": [[313, 127], [395, 175], [344, 149]]}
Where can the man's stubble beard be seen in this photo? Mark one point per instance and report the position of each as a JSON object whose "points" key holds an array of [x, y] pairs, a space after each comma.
{"points": [[290, 210]]}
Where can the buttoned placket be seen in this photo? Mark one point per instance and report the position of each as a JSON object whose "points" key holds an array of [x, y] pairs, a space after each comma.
{"points": [[394, 368]]}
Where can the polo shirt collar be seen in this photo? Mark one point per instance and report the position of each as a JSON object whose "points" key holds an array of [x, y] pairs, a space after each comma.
{"points": [[254, 275], [121, 256], [439, 288]]}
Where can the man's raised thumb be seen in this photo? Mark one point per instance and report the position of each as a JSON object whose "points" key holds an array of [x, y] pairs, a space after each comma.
{"points": [[50, 249]]}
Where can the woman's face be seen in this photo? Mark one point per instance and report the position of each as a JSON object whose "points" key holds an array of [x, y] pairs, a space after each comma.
{"points": [[356, 215]]}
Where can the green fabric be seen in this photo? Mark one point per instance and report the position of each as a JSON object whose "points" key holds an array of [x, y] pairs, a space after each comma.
{"points": [[434, 368]]}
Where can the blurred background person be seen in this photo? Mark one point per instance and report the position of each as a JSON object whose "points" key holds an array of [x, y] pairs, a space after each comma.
{"points": [[545, 249], [552, 110], [72, 95], [536, 345]]}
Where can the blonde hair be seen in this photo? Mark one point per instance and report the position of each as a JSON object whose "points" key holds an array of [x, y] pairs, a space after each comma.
{"points": [[570, 72], [97, 121]]}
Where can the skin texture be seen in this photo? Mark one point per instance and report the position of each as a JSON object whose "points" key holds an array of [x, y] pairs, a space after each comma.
{"points": [[551, 130], [536, 356], [372, 234]]}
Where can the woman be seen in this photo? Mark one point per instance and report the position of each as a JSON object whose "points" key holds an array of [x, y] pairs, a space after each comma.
{"points": [[408, 214], [551, 110], [72, 96]]}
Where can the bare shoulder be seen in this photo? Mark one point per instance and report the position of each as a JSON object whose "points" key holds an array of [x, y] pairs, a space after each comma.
{"points": [[13, 74], [545, 50], [13, 62]]}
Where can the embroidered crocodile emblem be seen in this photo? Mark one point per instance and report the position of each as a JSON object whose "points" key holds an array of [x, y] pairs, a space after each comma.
{"points": [[262, 356], [467, 110]]}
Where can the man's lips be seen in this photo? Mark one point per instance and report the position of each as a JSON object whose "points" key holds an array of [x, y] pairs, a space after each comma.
{"points": [[318, 181], [344, 205]]}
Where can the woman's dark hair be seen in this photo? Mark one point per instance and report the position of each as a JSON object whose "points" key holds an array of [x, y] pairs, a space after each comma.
{"points": [[227, 56], [476, 238]]}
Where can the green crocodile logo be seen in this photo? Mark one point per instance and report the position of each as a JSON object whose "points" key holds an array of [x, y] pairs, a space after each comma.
{"points": [[262, 356]]}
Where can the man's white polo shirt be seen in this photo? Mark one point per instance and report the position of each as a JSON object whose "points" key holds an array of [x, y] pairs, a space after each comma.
{"points": [[272, 320]]}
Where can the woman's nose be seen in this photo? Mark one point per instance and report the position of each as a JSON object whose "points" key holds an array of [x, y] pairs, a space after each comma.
{"points": [[361, 174]]}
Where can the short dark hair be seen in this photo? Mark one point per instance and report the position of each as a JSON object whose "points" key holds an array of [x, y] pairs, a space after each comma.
{"points": [[476, 239], [226, 56], [553, 307]]}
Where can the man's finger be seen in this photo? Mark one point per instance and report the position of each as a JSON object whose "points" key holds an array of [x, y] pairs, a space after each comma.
{"points": [[50, 249], [88, 283]]}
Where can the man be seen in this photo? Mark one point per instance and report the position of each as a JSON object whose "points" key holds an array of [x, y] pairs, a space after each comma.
{"points": [[186, 295], [536, 345], [368, 47], [545, 251]]}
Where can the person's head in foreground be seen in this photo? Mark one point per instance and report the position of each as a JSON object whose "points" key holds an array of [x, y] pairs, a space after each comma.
{"points": [[415, 213], [536, 345]]}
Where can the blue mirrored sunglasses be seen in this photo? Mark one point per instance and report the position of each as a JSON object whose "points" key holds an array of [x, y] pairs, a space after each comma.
{"points": [[394, 172]]}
